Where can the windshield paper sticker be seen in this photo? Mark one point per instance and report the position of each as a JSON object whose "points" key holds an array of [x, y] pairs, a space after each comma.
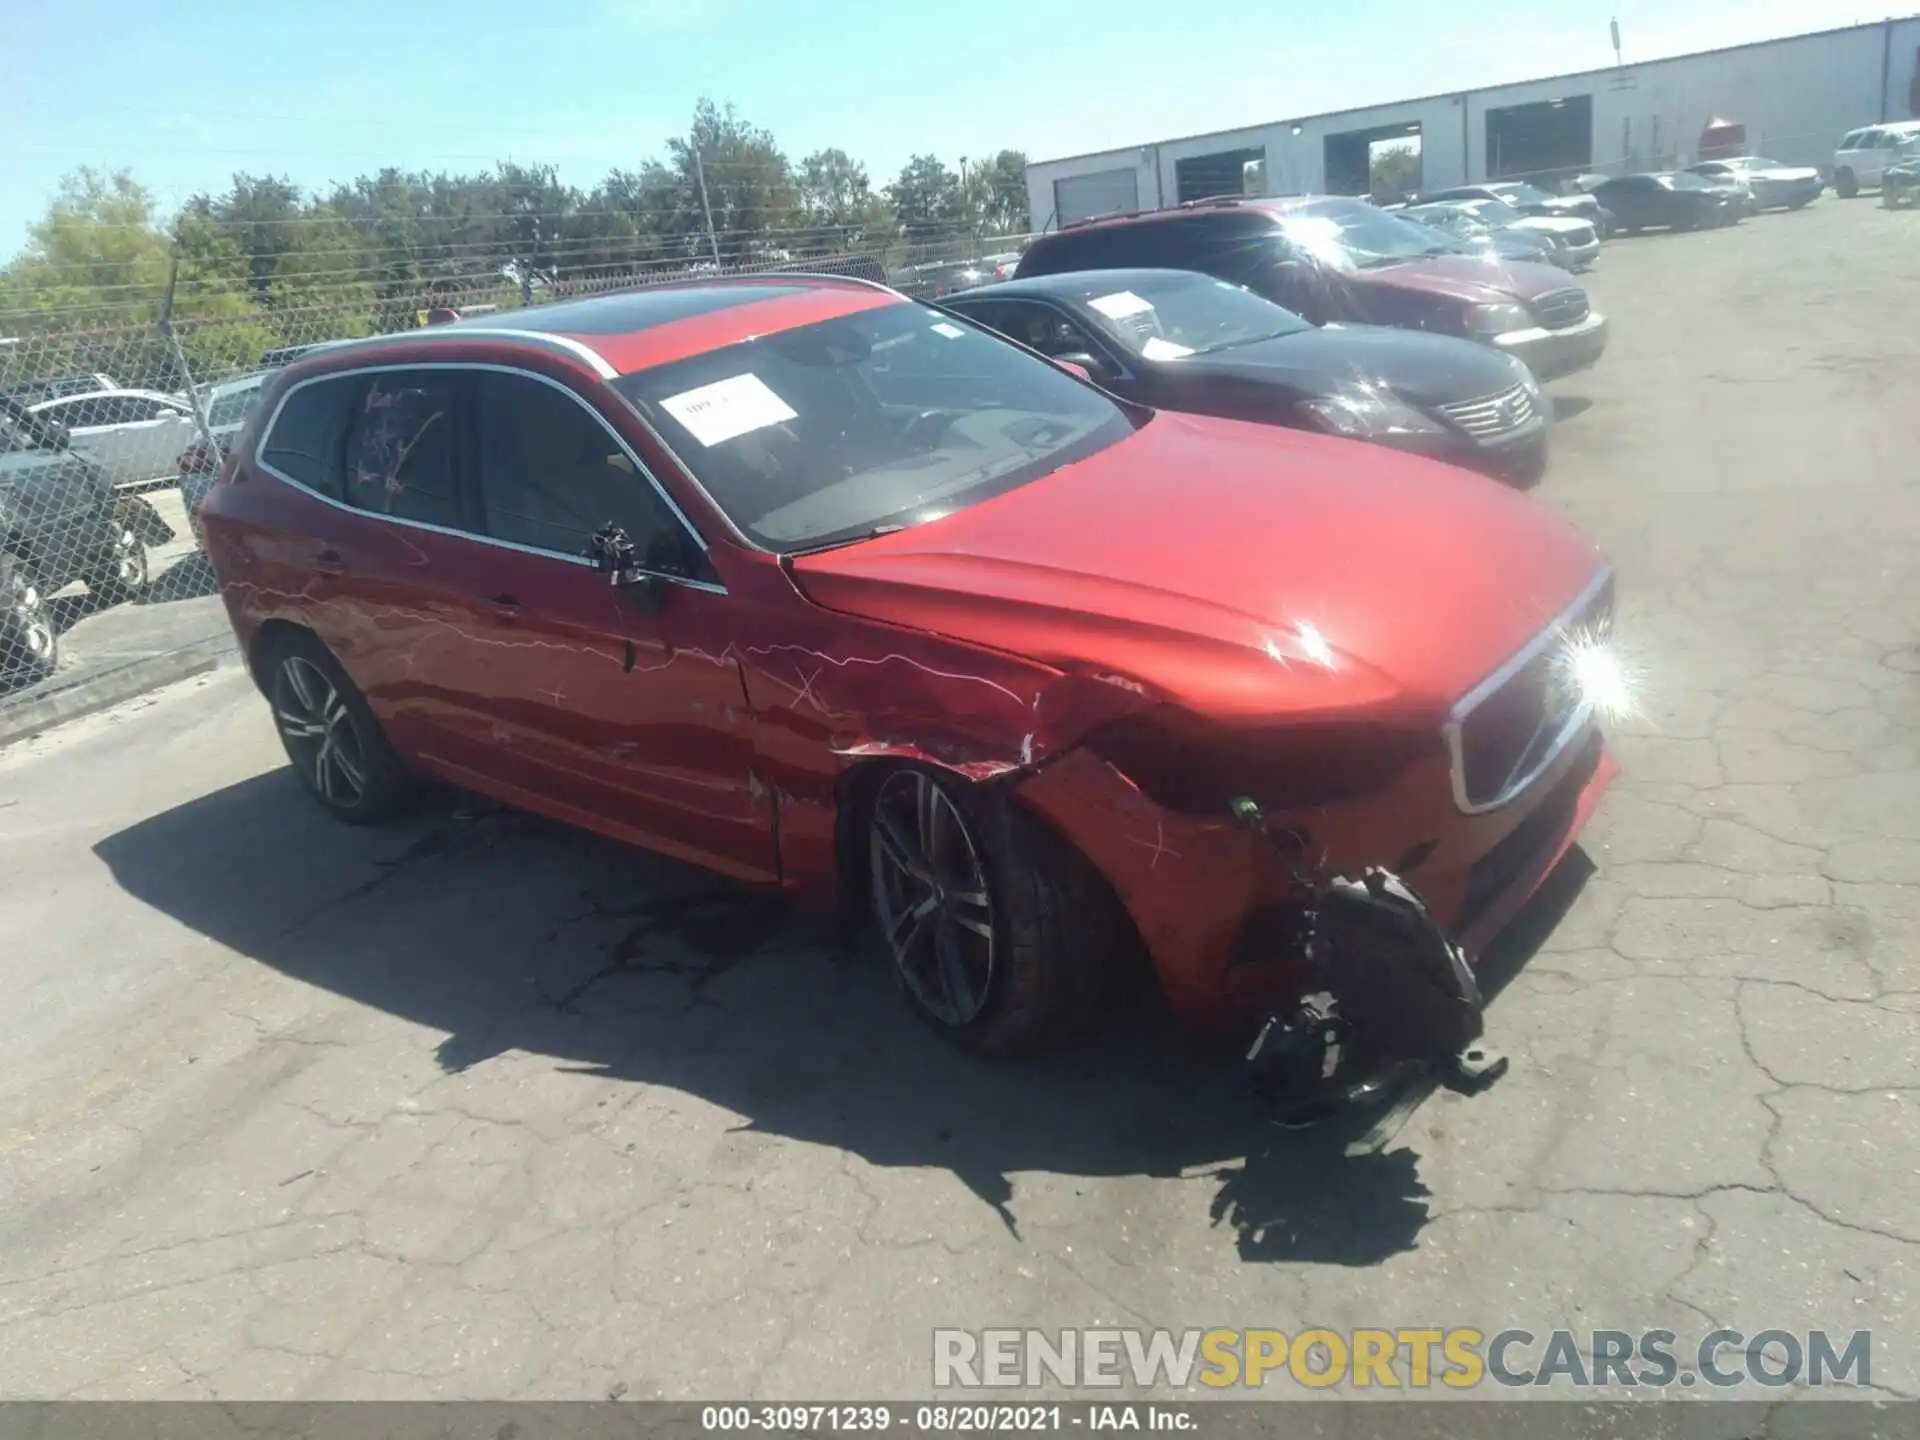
{"points": [[727, 409], [952, 332], [1121, 304], [1158, 349]]}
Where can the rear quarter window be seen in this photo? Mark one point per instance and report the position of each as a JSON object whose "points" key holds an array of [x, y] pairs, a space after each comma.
{"points": [[306, 438]]}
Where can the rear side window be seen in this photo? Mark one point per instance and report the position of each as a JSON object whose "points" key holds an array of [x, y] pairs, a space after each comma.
{"points": [[400, 447], [306, 439]]}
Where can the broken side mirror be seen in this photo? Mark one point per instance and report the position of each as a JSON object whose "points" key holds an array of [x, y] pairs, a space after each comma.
{"points": [[614, 556]]}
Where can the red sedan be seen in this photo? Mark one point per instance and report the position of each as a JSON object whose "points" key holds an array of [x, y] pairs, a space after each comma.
{"points": [[804, 582]]}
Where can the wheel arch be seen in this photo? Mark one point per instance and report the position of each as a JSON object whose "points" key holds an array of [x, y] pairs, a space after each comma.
{"points": [[270, 634], [854, 793]]}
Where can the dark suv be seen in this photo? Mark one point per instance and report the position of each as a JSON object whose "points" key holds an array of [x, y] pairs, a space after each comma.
{"points": [[60, 521], [1333, 259]]}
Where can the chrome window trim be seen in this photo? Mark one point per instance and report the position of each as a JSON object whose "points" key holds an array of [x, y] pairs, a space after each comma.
{"points": [[579, 349], [1576, 723], [353, 371]]}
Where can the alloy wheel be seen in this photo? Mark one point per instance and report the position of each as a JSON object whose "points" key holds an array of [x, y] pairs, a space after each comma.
{"points": [[319, 733], [931, 897], [130, 561], [33, 628]]}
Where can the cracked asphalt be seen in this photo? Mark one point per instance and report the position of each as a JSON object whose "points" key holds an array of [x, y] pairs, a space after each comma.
{"points": [[477, 1107]]}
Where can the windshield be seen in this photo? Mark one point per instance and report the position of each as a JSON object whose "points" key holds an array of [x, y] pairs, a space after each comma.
{"points": [[1494, 212], [895, 416], [1455, 221], [1352, 234], [1521, 193], [1166, 316]]}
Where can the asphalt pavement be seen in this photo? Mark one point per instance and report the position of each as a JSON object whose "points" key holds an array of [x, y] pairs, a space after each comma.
{"points": [[478, 1107]]}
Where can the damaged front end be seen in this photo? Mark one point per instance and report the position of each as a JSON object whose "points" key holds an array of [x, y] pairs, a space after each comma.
{"points": [[1342, 920]]}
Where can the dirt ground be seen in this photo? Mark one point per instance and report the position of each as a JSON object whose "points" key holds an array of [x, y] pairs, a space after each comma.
{"points": [[481, 1108]]}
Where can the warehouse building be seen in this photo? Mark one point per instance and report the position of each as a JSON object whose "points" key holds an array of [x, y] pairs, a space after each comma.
{"points": [[1794, 96]]}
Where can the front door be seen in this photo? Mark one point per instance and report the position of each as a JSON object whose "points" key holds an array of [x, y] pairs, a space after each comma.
{"points": [[625, 709]]}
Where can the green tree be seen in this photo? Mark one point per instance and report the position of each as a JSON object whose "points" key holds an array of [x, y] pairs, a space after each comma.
{"points": [[997, 193], [1393, 171], [927, 197], [93, 282], [841, 207], [749, 183]]}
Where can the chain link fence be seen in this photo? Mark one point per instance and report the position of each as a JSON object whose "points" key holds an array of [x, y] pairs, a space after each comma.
{"points": [[121, 388]]}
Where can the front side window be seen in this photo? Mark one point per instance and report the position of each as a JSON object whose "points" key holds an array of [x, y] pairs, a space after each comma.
{"points": [[308, 433], [550, 475], [887, 418], [1037, 326], [400, 447]]}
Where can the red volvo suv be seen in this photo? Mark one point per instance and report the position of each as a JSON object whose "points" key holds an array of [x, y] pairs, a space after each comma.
{"points": [[807, 583]]}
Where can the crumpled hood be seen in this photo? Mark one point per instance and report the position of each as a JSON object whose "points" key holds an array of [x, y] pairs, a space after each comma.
{"points": [[1239, 570]]}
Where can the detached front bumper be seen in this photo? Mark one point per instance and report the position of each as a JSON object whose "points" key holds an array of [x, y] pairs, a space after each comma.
{"points": [[1218, 907], [1553, 353]]}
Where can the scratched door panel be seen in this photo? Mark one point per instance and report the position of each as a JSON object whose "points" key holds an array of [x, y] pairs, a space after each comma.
{"points": [[629, 721], [416, 581]]}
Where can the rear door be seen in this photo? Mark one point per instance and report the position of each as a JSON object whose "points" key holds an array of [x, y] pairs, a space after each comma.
{"points": [[388, 579]]}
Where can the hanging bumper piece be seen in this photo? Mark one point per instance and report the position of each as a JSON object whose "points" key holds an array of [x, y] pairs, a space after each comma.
{"points": [[1394, 1008]]}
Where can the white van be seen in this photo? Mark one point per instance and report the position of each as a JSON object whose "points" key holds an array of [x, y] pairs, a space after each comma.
{"points": [[1862, 154]]}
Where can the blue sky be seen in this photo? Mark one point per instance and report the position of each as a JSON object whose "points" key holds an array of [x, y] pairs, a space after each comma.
{"points": [[185, 92]]}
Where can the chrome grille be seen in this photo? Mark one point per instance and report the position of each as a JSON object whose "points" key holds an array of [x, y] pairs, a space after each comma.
{"points": [[1493, 415], [1561, 309], [1516, 722]]}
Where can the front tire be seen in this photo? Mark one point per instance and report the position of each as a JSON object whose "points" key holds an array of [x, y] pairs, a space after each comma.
{"points": [[29, 645], [1845, 183], [332, 739], [1000, 934], [121, 572]]}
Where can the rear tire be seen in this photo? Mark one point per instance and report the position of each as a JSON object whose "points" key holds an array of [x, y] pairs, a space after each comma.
{"points": [[29, 645], [1000, 934], [334, 743], [1845, 183]]}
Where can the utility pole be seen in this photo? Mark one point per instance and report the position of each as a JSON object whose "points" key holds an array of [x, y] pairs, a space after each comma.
{"points": [[706, 206]]}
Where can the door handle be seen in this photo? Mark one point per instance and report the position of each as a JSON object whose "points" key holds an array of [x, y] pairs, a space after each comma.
{"points": [[329, 562]]}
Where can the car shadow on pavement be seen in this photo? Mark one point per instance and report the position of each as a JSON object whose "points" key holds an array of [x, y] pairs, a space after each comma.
{"points": [[1567, 407], [509, 934]]}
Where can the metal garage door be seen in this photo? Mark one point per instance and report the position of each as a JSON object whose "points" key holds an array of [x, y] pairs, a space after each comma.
{"points": [[1105, 192]]}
